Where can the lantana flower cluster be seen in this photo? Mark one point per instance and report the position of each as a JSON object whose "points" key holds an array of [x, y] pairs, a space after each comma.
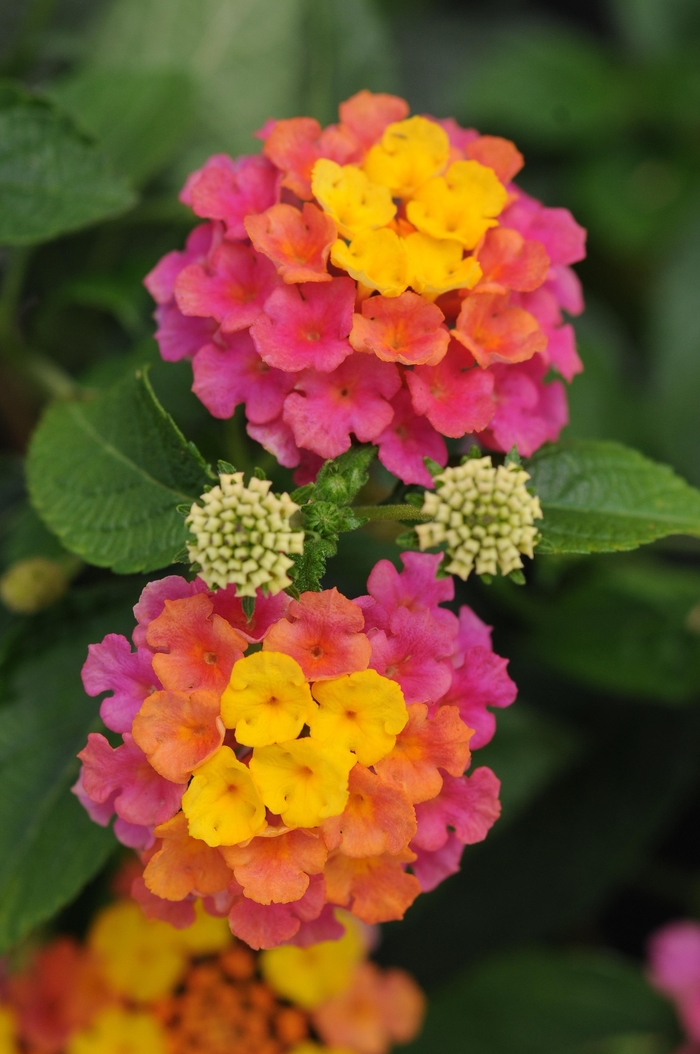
{"points": [[139, 986], [310, 756], [382, 277], [674, 969]]}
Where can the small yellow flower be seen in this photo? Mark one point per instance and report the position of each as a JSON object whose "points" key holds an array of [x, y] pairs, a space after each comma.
{"points": [[377, 259], [222, 804], [354, 202], [206, 935], [142, 959], [485, 514], [243, 536], [408, 154], [267, 699], [303, 781], [8, 1031], [436, 266], [119, 1031], [460, 205], [362, 712], [310, 976]]}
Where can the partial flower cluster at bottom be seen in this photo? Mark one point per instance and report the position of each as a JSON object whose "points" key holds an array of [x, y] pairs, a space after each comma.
{"points": [[139, 986], [309, 757], [674, 969]]}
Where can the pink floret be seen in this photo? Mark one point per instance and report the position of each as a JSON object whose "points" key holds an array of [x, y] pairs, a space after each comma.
{"points": [[231, 372], [112, 666], [482, 681], [231, 287], [228, 190], [179, 336], [528, 411], [413, 654], [306, 326], [143, 796], [327, 407], [469, 805], [160, 282], [267, 925], [432, 868], [674, 958], [407, 440], [151, 603], [563, 238], [456, 395], [416, 588]]}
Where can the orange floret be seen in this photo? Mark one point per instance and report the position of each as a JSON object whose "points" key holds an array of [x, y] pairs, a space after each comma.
{"points": [[378, 818], [404, 329], [295, 145], [425, 746], [378, 1009], [197, 648], [276, 869], [509, 261], [499, 154], [496, 332], [298, 243], [178, 731], [184, 865], [323, 632], [367, 114], [375, 888]]}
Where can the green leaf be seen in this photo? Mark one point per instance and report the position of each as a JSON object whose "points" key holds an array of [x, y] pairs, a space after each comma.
{"points": [[49, 847], [602, 497], [630, 628], [340, 479], [53, 179], [546, 86], [140, 117], [546, 1002], [108, 473]]}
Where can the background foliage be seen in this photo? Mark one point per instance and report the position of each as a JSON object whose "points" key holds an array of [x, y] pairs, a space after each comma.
{"points": [[536, 946]]}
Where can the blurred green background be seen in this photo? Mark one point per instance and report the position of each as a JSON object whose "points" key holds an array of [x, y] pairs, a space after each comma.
{"points": [[536, 947]]}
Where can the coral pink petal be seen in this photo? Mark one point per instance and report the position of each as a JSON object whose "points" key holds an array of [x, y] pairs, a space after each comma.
{"points": [[297, 242], [267, 611], [179, 914], [151, 603], [424, 747], [306, 326], [143, 797], [469, 805], [292, 145], [179, 336], [510, 261], [232, 287], [197, 649], [414, 653], [406, 329], [563, 238], [112, 666], [160, 282], [407, 440], [494, 331], [561, 352], [276, 437], [323, 632], [528, 411], [499, 154], [367, 114]]}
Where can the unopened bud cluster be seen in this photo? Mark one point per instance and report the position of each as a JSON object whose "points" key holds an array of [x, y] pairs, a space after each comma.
{"points": [[484, 514], [243, 536]]}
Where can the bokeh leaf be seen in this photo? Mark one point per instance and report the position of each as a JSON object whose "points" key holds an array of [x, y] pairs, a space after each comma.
{"points": [[53, 178], [49, 848], [601, 497], [545, 1002], [108, 473], [140, 117]]}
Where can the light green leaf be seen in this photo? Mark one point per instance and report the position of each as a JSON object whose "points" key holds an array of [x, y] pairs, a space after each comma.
{"points": [[546, 1002], [49, 847], [601, 497], [108, 473], [53, 179], [140, 118]]}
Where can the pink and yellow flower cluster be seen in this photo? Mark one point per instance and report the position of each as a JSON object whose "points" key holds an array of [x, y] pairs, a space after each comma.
{"points": [[383, 277], [139, 986], [309, 757]]}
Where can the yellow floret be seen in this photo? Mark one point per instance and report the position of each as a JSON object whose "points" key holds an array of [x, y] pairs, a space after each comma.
{"points": [[8, 1031], [461, 205], [435, 266], [206, 935], [408, 154], [362, 712], [377, 259], [267, 699], [141, 958], [355, 203], [310, 976], [222, 804], [303, 781], [118, 1031]]}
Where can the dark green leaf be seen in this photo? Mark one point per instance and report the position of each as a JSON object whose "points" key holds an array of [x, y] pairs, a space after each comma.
{"points": [[53, 179], [632, 629], [603, 497], [140, 118], [340, 479], [49, 848], [108, 473], [546, 1002]]}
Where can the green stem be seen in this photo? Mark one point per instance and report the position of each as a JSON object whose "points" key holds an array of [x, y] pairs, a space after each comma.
{"points": [[390, 512]]}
